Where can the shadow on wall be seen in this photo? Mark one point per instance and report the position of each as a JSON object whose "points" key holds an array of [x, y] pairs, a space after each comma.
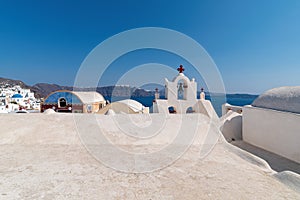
{"points": [[276, 162]]}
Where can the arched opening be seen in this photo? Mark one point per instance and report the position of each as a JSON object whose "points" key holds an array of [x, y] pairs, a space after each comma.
{"points": [[181, 90], [172, 110], [89, 108], [190, 110], [62, 102]]}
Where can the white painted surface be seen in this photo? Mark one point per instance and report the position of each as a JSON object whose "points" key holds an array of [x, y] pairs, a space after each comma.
{"points": [[228, 107], [110, 112], [133, 104], [231, 126], [46, 160], [49, 111], [200, 106], [190, 88], [282, 99], [188, 103], [171, 93], [3, 109], [202, 96], [89, 97], [275, 131]]}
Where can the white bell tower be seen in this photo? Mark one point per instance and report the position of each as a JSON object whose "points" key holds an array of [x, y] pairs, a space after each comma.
{"points": [[181, 96]]}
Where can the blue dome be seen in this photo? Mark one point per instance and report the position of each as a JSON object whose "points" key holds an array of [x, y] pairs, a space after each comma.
{"points": [[68, 95], [17, 96]]}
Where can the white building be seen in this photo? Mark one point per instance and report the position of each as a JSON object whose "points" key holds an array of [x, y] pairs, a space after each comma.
{"points": [[14, 97], [181, 97], [272, 122], [3, 108], [17, 98], [2, 98]]}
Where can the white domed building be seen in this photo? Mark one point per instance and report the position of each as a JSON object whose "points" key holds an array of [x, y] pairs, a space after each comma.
{"points": [[73, 101], [17, 98], [272, 122], [20, 100]]}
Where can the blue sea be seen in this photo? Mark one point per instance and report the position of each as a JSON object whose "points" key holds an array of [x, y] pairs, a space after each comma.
{"points": [[217, 101]]}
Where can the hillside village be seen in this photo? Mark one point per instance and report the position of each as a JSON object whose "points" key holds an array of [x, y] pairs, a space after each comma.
{"points": [[14, 98]]}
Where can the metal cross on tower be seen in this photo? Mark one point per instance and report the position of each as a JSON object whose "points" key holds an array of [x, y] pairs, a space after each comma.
{"points": [[180, 69]]}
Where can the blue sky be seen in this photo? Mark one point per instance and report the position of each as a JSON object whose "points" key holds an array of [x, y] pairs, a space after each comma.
{"points": [[254, 43]]}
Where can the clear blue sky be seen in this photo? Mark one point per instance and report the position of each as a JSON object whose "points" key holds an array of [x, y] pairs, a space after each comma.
{"points": [[255, 43]]}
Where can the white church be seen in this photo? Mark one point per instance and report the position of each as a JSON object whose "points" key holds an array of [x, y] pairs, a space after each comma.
{"points": [[181, 97]]}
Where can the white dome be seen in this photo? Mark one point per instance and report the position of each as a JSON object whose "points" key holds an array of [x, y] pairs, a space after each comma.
{"points": [[283, 99], [49, 111], [134, 105]]}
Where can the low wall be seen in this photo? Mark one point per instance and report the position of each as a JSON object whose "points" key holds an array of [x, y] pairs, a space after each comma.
{"points": [[274, 131], [200, 106], [227, 107], [231, 126]]}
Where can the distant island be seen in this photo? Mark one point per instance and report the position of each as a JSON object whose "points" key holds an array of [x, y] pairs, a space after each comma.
{"points": [[42, 90]]}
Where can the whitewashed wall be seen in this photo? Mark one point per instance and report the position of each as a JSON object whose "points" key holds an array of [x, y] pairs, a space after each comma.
{"points": [[227, 107], [274, 131], [231, 126]]}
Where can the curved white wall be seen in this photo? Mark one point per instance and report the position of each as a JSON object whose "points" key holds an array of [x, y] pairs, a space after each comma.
{"points": [[231, 126]]}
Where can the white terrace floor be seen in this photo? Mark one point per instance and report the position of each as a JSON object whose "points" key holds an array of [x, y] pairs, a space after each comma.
{"points": [[42, 157]]}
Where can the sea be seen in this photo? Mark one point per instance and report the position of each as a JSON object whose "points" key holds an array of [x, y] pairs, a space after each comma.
{"points": [[216, 100]]}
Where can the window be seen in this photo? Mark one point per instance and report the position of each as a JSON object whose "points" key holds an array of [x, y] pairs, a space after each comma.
{"points": [[62, 102], [89, 108], [181, 90], [172, 109], [190, 110]]}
